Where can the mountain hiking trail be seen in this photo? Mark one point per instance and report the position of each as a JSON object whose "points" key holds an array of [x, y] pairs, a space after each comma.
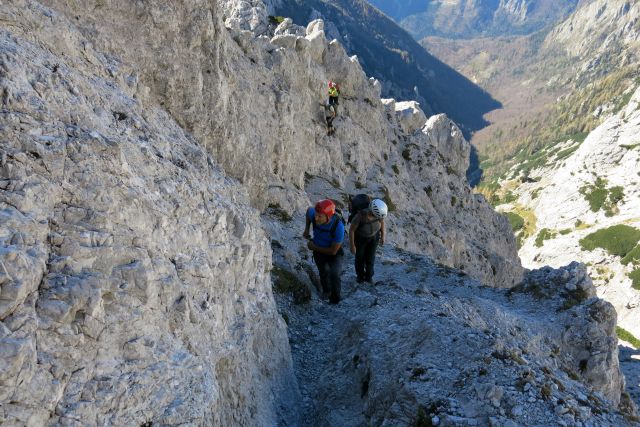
{"points": [[427, 344]]}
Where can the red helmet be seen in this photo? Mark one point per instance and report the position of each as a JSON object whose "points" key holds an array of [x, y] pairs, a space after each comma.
{"points": [[331, 84], [326, 207]]}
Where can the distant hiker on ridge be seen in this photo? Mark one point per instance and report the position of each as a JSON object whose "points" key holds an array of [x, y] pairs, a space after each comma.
{"points": [[326, 244], [365, 233], [334, 93]]}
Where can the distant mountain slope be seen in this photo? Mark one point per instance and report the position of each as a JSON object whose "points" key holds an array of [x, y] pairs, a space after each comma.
{"points": [[389, 54], [399, 9], [568, 178], [551, 82], [469, 18]]}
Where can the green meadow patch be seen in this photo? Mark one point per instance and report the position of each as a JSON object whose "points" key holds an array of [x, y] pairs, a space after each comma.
{"points": [[617, 240]]}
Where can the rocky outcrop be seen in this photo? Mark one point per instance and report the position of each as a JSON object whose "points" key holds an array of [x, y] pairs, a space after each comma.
{"points": [[134, 275]]}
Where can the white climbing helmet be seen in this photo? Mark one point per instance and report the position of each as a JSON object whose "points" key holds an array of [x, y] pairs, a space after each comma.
{"points": [[378, 208]]}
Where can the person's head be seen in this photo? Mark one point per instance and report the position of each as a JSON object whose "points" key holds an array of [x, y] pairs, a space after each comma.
{"points": [[331, 84], [324, 210], [378, 208]]}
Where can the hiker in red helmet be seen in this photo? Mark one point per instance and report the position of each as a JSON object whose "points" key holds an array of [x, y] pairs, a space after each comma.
{"points": [[326, 244]]}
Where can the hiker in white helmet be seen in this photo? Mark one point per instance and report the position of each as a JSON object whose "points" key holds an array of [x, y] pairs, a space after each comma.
{"points": [[366, 232]]}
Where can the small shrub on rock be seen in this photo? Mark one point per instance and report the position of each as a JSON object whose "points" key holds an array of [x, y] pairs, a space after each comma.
{"points": [[617, 240], [544, 234], [516, 221], [285, 282], [277, 211], [633, 256], [635, 279]]}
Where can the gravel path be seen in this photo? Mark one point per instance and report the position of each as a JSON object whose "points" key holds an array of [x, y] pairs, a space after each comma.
{"points": [[428, 342]]}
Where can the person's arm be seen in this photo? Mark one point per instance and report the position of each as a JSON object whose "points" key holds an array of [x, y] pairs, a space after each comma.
{"points": [[307, 225], [352, 233], [335, 247], [382, 232]]}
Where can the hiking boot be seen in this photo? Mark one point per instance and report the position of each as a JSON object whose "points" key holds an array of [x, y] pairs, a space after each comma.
{"points": [[360, 279], [369, 280]]}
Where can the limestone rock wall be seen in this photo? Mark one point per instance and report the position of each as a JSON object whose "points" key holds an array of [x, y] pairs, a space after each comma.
{"points": [[134, 276], [251, 94]]}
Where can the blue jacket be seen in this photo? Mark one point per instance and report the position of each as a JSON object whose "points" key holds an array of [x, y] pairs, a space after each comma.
{"points": [[322, 235]]}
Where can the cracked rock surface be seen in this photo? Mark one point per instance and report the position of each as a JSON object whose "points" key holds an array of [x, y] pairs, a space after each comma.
{"points": [[134, 281]]}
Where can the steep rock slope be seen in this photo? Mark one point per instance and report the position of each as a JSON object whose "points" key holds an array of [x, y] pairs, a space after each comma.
{"points": [[580, 175], [252, 101], [134, 278], [606, 33]]}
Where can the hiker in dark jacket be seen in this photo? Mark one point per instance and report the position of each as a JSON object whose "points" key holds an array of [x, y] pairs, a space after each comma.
{"points": [[366, 232], [326, 244]]}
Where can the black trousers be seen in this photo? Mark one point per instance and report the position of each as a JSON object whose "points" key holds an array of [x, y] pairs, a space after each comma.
{"points": [[366, 256], [329, 121], [329, 268], [333, 100]]}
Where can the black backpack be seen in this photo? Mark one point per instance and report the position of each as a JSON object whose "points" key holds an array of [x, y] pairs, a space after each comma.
{"points": [[356, 204]]}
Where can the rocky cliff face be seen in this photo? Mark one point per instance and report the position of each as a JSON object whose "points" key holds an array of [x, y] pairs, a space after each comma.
{"points": [[135, 271], [388, 53], [135, 284]]}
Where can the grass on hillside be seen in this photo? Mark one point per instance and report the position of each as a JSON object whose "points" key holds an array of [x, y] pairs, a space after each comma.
{"points": [[523, 223], [516, 221], [633, 256], [617, 240], [635, 279], [627, 336]]}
